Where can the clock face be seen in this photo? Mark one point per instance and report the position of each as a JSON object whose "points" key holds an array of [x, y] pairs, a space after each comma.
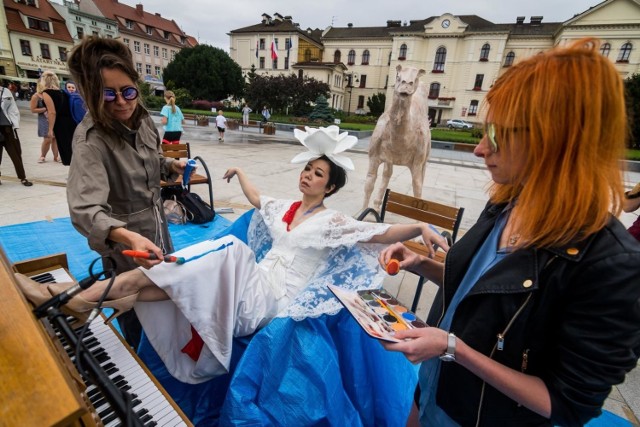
{"points": [[446, 23]]}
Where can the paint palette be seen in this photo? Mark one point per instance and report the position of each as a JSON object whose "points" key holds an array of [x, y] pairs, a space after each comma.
{"points": [[377, 312]]}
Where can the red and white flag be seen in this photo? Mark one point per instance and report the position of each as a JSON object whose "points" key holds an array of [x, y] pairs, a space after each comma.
{"points": [[274, 50]]}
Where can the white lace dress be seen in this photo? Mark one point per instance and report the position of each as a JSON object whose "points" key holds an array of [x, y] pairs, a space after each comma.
{"points": [[225, 293]]}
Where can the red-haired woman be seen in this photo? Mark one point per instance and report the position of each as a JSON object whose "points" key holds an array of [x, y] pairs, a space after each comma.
{"points": [[538, 308]]}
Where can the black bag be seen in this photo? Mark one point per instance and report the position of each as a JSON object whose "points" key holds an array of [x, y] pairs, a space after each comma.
{"points": [[198, 211]]}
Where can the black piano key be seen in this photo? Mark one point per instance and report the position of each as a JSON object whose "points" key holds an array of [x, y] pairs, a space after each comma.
{"points": [[146, 418], [105, 412], [111, 417], [43, 278], [151, 424]]}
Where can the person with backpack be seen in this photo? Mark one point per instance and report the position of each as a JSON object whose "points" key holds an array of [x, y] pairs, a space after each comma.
{"points": [[62, 124], [172, 119]]}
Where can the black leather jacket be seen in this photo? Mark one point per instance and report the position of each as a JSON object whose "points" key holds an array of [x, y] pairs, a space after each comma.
{"points": [[569, 315]]}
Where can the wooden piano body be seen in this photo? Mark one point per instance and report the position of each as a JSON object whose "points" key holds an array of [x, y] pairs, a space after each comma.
{"points": [[39, 385]]}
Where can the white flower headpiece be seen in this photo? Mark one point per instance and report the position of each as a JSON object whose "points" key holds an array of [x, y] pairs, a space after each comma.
{"points": [[325, 142]]}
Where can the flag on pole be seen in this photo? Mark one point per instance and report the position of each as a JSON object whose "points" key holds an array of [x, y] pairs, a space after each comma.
{"points": [[274, 50], [256, 49]]}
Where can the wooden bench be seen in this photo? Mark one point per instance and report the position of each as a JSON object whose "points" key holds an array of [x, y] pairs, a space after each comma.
{"points": [[446, 217], [183, 151], [190, 117], [253, 124]]}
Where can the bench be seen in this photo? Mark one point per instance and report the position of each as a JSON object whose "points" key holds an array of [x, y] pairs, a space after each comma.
{"points": [[183, 151], [446, 217]]}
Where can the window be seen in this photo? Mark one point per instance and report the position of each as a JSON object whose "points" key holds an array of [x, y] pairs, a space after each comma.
{"points": [[80, 31], [307, 55], [478, 83], [164, 52], [389, 59], [79, 19], [147, 51], [274, 64], [286, 62], [261, 44], [94, 22], [337, 57], [261, 62], [386, 82], [605, 49], [108, 27], [173, 54], [37, 24], [361, 101], [365, 57], [25, 46], [147, 69], [508, 60], [473, 108], [363, 81], [31, 3], [149, 30], [403, 52], [62, 51], [351, 58], [484, 52], [136, 46], [44, 50], [287, 44], [95, 33], [126, 41], [438, 63], [625, 51], [158, 71], [139, 67], [128, 24], [434, 90], [166, 35], [156, 51]]}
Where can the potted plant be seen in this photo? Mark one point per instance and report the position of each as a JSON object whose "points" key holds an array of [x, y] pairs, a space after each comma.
{"points": [[202, 120]]}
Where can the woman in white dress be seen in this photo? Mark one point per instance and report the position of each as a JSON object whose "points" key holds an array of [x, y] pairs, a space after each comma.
{"points": [[220, 292]]}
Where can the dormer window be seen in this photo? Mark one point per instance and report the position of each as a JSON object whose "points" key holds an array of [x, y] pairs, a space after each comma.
{"points": [[128, 24], [37, 24], [32, 3], [166, 35], [149, 30]]}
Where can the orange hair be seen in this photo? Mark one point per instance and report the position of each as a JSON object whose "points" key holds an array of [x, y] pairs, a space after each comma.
{"points": [[564, 111]]}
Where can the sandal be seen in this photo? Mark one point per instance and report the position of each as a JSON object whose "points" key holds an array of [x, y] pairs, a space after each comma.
{"points": [[57, 160], [41, 160], [26, 182]]}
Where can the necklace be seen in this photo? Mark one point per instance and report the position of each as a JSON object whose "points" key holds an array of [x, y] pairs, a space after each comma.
{"points": [[312, 209]]}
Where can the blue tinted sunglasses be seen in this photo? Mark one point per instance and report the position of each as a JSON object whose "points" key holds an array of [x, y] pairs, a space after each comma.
{"points": [[128, 93]]}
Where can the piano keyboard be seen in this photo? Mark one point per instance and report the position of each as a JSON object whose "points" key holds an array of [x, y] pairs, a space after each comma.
{"points": [[122, 367]]}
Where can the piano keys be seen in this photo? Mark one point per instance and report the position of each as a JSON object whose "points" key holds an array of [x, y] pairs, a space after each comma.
{"points": [[150, 402]]}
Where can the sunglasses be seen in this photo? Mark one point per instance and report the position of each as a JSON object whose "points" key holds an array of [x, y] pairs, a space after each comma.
{"points": [[128, 93], [490, 131]]}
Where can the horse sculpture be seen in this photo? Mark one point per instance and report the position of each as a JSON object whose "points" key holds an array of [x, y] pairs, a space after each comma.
{"points": [[402, 135]]}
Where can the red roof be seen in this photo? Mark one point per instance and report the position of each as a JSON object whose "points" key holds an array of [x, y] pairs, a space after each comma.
{"points": [[45, 12], [141, 19]]}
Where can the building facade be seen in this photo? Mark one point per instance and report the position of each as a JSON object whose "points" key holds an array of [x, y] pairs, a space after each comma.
{"points": [[38, 38], [80, 23], [153, 40], [462, 55]]}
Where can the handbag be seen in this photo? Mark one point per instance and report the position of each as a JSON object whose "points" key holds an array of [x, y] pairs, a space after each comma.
{"points": [[175, 211], [200, 212]]}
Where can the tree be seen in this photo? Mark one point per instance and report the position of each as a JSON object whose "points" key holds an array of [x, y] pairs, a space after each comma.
{"points": [[206, 72], [632, 92], [285, 94], [321, 111], [376, 103]]}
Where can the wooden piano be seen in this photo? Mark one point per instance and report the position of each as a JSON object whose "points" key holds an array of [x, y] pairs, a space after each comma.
{"points": [[40, 385]]}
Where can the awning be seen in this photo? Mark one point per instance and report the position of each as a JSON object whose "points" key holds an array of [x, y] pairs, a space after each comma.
{"points": [[18, 79]]}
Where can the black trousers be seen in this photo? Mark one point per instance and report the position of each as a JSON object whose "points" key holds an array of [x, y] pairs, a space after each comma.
{"points": [[131, 328], [11, 143]]}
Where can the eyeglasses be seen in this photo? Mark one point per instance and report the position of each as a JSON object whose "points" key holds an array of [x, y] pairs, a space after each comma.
{"points": [[490, 131], [128, 93]]}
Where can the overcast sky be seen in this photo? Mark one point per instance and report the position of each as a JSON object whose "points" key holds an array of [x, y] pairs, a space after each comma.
{"points": [[210, 21]]}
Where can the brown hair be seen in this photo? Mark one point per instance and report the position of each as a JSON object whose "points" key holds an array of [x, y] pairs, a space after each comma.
{"points": [[170, 97], [85, 63], [564, 111]]}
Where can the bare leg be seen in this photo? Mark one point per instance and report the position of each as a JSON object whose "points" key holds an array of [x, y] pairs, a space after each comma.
{"points": [[126, 284], [54, 149], [44, 148]]}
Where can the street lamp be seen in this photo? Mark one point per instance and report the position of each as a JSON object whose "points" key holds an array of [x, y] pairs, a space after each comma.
{"points": [[350, 79]]}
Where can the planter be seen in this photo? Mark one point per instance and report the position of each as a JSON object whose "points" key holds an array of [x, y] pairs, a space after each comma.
{"points": [[269, 129], [233, 124], [203, 122]]}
